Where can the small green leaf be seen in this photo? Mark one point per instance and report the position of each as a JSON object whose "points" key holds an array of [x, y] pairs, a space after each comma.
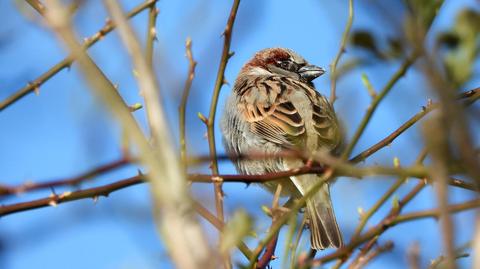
{"points": [[365, 40], [395, 202], [235, 230], [368, 85]]}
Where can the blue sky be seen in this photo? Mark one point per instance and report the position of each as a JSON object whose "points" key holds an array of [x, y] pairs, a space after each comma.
{"points": [[64, 131]]}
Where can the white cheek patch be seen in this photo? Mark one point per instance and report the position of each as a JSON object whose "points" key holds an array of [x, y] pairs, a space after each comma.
{"points": [[258, 71]]}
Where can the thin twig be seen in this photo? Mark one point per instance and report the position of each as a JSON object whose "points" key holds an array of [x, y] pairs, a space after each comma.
{"points": [[441, 259], [462, 184], [362, 261], [383, 225], [219, 225], [219, 82], [269, 253], [297, 242], [377, 100], [398, 183], [183, 104], [341, 50], [413, 255], [379, 229], [151, 34], [300, 203], [468, 98], [438, 146], [67, 62], [54, 200], [288, 245], [390, 138], [29, 186], [37, 5], [435, 213]]}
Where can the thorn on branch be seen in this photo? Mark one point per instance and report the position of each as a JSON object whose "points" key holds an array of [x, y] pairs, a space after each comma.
{"points": [[225, 82]]}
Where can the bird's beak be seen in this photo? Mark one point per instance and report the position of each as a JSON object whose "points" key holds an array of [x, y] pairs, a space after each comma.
{"points": [[310, 72]]}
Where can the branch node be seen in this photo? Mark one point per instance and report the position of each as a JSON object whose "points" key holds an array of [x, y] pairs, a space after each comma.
{"points": [[217, 179], [202, 118]]}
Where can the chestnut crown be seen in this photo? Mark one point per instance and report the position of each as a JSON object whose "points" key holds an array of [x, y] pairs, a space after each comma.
{"points": [[282, 62]]}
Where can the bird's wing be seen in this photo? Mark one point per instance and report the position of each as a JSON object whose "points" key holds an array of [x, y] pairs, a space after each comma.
{"points": [[325, 123], [264, 104]]}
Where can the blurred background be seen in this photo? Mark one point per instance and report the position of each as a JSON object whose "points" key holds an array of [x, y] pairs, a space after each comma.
{"points": [[63, 131]]}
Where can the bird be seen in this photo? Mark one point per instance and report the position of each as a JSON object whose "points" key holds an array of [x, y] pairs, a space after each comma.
{"points": [[273, 107]]}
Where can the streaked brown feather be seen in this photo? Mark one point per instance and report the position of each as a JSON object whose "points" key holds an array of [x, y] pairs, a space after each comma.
{"points": [[272, 117]]}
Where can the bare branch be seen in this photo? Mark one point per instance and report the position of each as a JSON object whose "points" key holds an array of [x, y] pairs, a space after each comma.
{"points": [[29, 186], [54, 200], [362, 260], [183, 104], [67, 62], [376, 101], [365, 217], [341, 50], [226, 54], [468, 98], [437, 144], [379, 229]]}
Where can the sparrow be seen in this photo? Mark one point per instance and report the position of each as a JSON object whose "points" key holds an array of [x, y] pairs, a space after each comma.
{"points": [[274, 107]]}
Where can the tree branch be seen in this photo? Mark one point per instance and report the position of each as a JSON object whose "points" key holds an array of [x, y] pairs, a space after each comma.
{"points": [[226, 54], [183, 104], [76, 180], [468, 98], [67, 62], [341, 50], [376, 101]]}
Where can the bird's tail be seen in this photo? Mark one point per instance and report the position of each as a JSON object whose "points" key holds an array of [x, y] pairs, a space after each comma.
{"points": [[323, 225]]}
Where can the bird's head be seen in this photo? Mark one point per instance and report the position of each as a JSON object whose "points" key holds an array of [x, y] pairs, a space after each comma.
{"points": [[282, 62]]}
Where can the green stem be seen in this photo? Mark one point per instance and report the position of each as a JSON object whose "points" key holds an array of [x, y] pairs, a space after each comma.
{"points": [[376, 101]]}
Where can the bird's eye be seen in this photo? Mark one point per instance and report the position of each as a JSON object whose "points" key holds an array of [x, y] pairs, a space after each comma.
{"points": [[284, 64]]}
